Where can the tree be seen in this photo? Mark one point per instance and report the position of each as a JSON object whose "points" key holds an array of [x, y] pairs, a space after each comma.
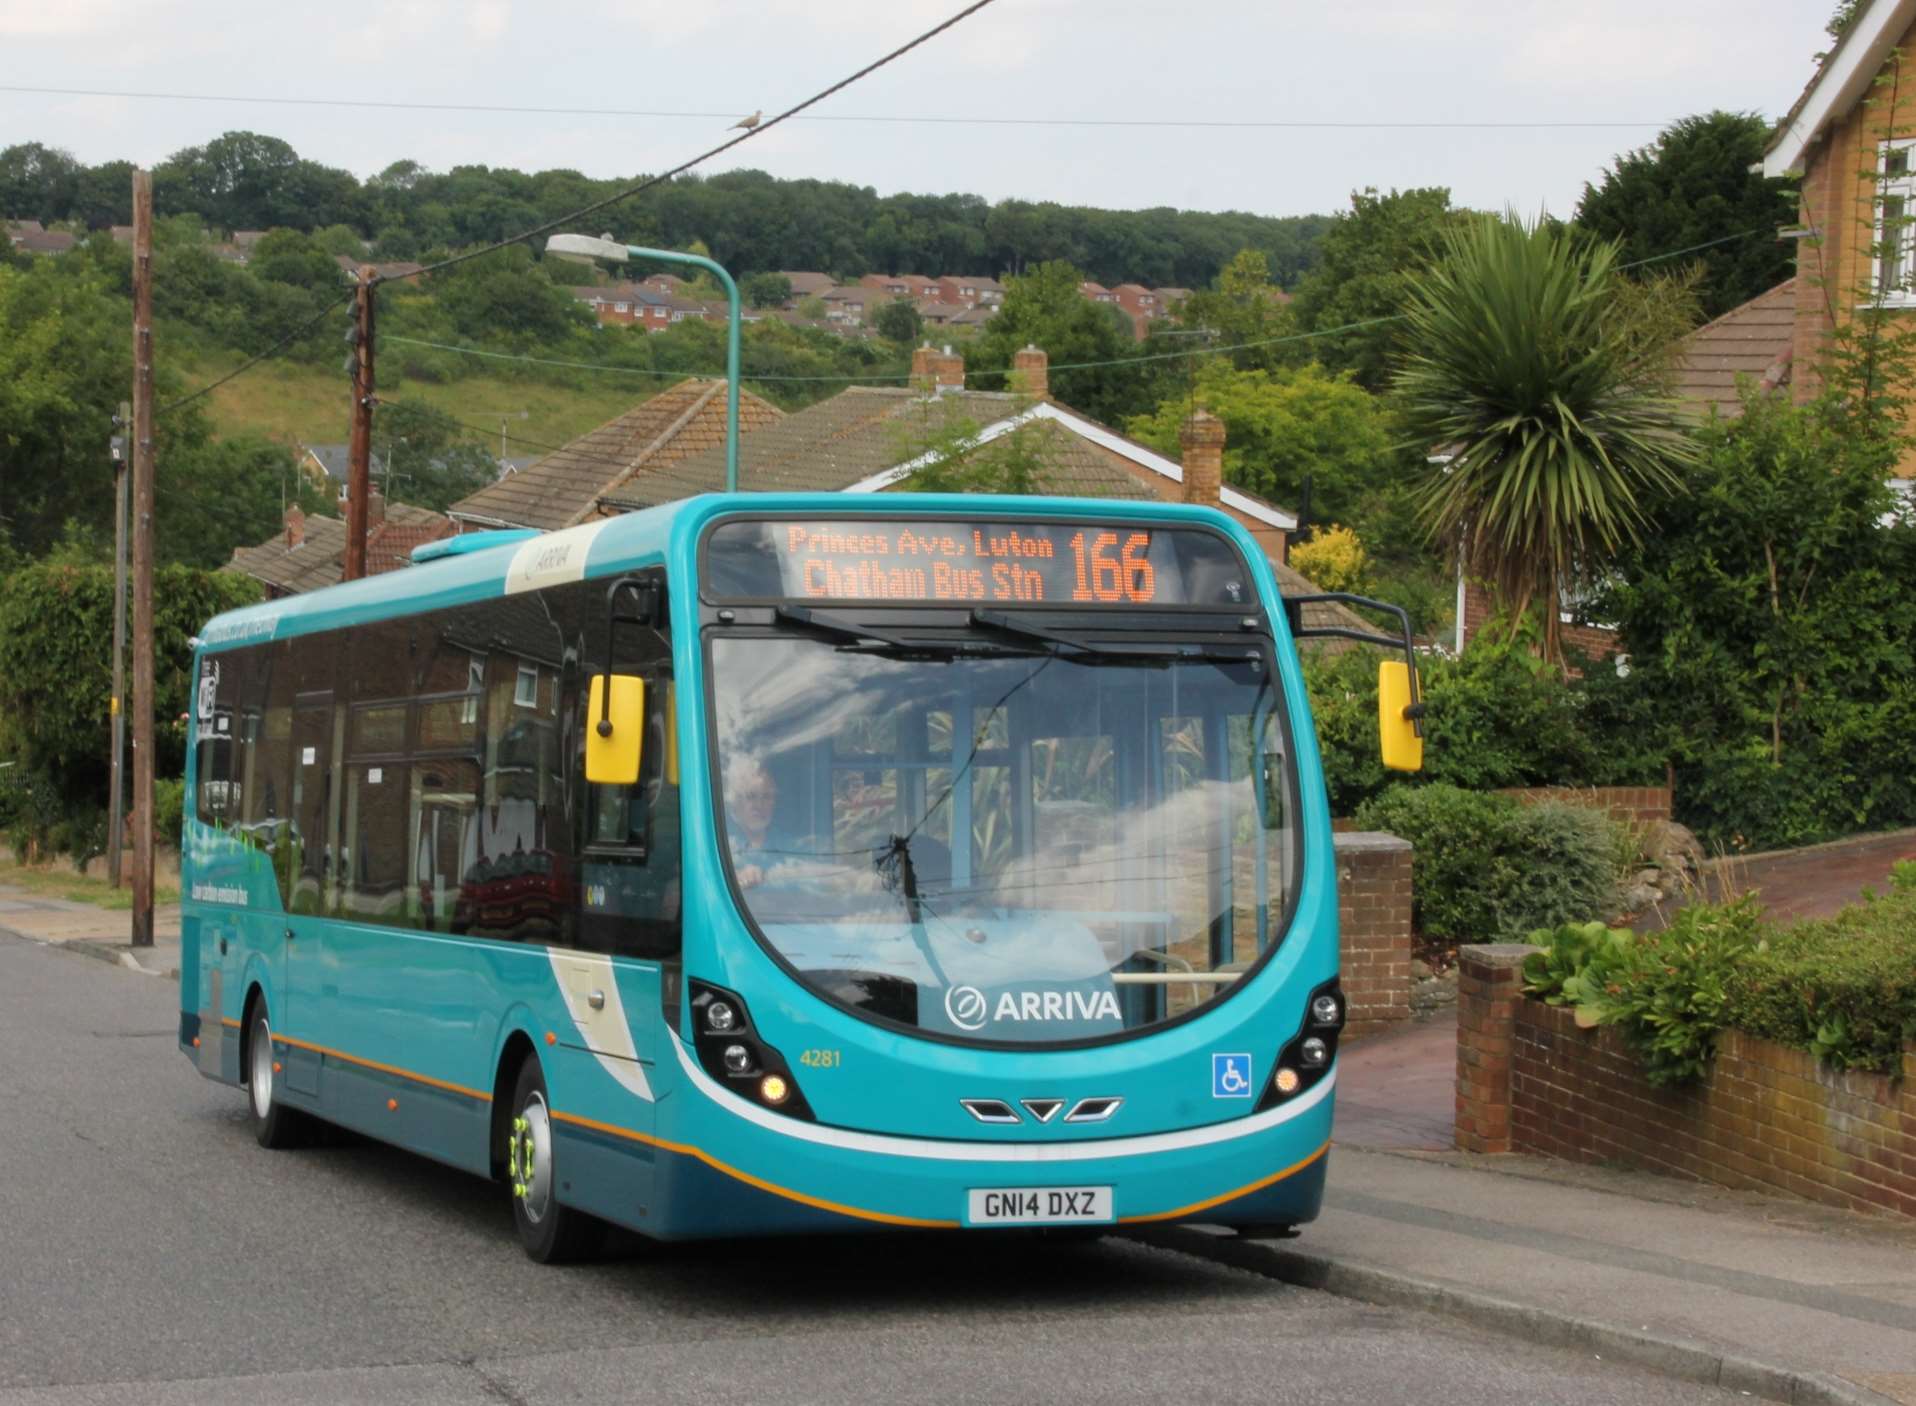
{"points": [[424, 457], [899, 321], [216, 495], [1544, 382], [1281, 426], [1366, 263], [38, 182], [1244, 307], [812, 309], [765, 290], [1693, 185], [1044, 308]]}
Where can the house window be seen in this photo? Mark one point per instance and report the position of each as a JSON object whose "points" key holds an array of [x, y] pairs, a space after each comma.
{"points": [[1895, 243], [622, 307], [525, 692]]}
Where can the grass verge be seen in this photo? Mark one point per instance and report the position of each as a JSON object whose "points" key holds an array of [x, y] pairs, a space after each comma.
{"points": [[45, 882]]}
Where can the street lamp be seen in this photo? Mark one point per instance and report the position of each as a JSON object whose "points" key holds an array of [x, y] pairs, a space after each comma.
{"points": [[610, 250]]}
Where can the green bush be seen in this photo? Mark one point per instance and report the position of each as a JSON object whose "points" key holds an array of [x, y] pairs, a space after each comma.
{"points": [[1844, 987], [169, 806], [1486, 868]]}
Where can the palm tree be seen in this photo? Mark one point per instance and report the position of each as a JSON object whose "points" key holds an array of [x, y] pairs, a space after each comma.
{"points": [[1542, 375]]}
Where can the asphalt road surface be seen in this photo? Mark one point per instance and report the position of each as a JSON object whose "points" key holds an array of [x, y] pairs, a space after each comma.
{"points": [[151, 1252]]}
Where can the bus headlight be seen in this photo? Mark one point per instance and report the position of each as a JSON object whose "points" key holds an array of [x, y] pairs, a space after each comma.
{"points": [[1307, 1056], [721, 1018], [1314, 1053], [734, 1053], [738, 1059], [1325, 1009]]}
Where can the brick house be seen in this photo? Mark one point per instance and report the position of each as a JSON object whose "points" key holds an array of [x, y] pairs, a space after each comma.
{"points": [[1851, 140], [806, 285], [847, 305], [1097, 292]]}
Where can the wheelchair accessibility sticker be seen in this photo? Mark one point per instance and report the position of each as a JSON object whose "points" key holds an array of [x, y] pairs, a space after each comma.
{"points": [[1230, 1076]]}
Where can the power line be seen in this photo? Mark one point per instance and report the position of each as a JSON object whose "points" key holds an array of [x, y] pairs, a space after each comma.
{"points": [[487, 431], [624, 370], [757, 130], [1256, 124], [251, 362]]}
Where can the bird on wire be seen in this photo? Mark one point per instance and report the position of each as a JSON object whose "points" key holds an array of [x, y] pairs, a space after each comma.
{"points": [[746, 124]]}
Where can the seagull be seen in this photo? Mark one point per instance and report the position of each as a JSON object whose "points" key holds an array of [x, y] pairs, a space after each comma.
{"points": [[747, 123]]}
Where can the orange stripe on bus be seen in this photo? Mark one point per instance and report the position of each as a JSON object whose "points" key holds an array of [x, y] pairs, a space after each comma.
{"points": [[1206, 1205], [685, 1149], [382, 1068]]}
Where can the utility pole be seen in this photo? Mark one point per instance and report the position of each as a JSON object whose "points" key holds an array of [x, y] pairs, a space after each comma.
{"points": [[359, 447], [142, 528], [116, 809]]}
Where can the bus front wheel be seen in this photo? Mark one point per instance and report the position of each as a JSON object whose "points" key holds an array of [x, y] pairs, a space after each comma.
{"points": [[551, 1233], [274, 1124]]}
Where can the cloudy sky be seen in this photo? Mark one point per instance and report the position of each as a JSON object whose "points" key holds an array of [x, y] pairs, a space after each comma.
{"points": [[1638, 63]]}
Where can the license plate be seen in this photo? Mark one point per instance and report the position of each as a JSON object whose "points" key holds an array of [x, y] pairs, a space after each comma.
{"points": [[1039, 1205]]}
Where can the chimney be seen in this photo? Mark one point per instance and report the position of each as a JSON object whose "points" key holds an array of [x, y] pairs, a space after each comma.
{"points": [[948, 368], [922, 360], [1031, 374], [1202, 436], [376, 507], [295, 526]]}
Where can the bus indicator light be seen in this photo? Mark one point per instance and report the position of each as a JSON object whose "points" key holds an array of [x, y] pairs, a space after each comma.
{"points": [[1286, 1081], [773, 1089]]}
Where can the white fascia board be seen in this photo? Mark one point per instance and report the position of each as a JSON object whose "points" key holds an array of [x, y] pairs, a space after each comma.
{"points": [[879, 481], [1845, 78]]}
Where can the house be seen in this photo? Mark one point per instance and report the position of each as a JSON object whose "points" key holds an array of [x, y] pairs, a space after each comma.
{"points": [[121, 234], [398, 268], [230, 254], [861, 441], [937, 313], [892, 285], [669, 284], [310, 552], [565, 486], [247, 238], [1754, 342], [19, 229], [847, 304], [51, 241], [806, 285], [1097, 292], [612, 306], [1850, 138], [970, 290]]}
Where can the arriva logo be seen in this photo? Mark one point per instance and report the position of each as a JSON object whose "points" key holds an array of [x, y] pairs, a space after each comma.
{"points": [[966, 1005]]}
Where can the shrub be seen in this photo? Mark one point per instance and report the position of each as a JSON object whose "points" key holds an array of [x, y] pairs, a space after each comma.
{"points": [[169, 806], [1844, 987], [1486, 869], [1333, 559]]}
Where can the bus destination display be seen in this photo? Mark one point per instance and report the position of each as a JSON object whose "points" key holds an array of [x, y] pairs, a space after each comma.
{"points": [[961, 562]]}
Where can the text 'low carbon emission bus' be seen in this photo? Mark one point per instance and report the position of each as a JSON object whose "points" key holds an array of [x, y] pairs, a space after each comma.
{"points": [[770, 863]]}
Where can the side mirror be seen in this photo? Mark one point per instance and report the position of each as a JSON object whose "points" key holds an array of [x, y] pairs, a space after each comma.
{"points": [[614, 729], [1397, 735]]}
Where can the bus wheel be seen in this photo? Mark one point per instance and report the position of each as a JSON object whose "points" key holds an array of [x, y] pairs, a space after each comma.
{"points": [[274, 1124], [550, 1232]]}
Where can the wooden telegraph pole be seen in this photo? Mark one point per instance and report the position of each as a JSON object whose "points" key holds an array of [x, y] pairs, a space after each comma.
{"points": [[116, 809], [142, 559], [360, 446]]}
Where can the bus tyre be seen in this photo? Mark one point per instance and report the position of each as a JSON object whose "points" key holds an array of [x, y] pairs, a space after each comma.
{"points": [[274, 1124], [550, 1232]]}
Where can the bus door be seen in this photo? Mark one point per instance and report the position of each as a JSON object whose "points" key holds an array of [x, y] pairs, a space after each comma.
{"points": [[315, 869]]}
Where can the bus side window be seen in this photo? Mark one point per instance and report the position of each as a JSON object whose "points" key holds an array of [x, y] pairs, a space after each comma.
{"points": [[219, 737]]}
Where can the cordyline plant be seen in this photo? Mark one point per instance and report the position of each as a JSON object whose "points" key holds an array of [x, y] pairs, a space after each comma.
{"points": [[1538, 377]]}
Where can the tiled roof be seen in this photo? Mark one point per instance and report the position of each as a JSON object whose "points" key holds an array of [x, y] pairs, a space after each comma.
{"points": [[25, 227], [564, 487], [52, 241], [319, 559], [804, 284], [1753, 340]]}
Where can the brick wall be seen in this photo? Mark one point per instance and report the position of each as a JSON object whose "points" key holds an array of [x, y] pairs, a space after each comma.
{"points": [[1637, 803], [1373, 913], [1764, 1118], [1489, 990], [1592, 640]]}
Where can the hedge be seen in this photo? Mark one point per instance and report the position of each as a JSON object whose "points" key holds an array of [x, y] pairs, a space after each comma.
{"points": [[1842, 987]]}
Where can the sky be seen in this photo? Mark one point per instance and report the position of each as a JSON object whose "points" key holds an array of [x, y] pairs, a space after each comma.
{"points": [[1639, 63]]}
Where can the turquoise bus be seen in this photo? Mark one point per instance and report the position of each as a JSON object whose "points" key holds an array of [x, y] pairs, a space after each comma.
{"points": [[776, 863]]}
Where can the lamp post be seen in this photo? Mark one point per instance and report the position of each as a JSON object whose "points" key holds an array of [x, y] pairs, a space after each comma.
{"points": [[610, 250]]}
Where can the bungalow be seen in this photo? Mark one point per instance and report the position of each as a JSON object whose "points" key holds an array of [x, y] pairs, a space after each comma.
{"points": [[310, 552]]}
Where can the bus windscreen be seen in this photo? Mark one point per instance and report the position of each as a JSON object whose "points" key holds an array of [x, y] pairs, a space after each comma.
{"points": [[973, 562]]}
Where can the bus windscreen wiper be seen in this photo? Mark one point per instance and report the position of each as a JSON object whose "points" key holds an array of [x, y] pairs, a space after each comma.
{"points": [[828, 624], [1086, 652]]}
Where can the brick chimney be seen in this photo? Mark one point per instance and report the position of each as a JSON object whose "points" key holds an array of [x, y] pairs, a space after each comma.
{"points": [[1031, 373], [295, 526], [1202, 436], [923, 358], [948, 369], [376, 507]]}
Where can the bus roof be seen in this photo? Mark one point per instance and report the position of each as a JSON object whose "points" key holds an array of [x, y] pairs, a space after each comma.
{"points": [[666, 533]]}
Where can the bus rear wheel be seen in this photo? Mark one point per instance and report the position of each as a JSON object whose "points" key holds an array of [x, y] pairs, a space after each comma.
{"points": [[274, 1124], [550, 1232]]}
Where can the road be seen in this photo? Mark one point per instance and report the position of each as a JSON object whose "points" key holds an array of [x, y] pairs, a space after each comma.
{"points": [[151, 1252]]}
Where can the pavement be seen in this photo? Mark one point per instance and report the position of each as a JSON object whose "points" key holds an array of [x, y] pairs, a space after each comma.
{"points": [[1756, 1295], [86, 928]]}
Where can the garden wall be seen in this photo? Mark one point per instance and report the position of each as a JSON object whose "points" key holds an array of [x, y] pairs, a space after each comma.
{"points": [[1764, 1117], [1373, 913]]}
